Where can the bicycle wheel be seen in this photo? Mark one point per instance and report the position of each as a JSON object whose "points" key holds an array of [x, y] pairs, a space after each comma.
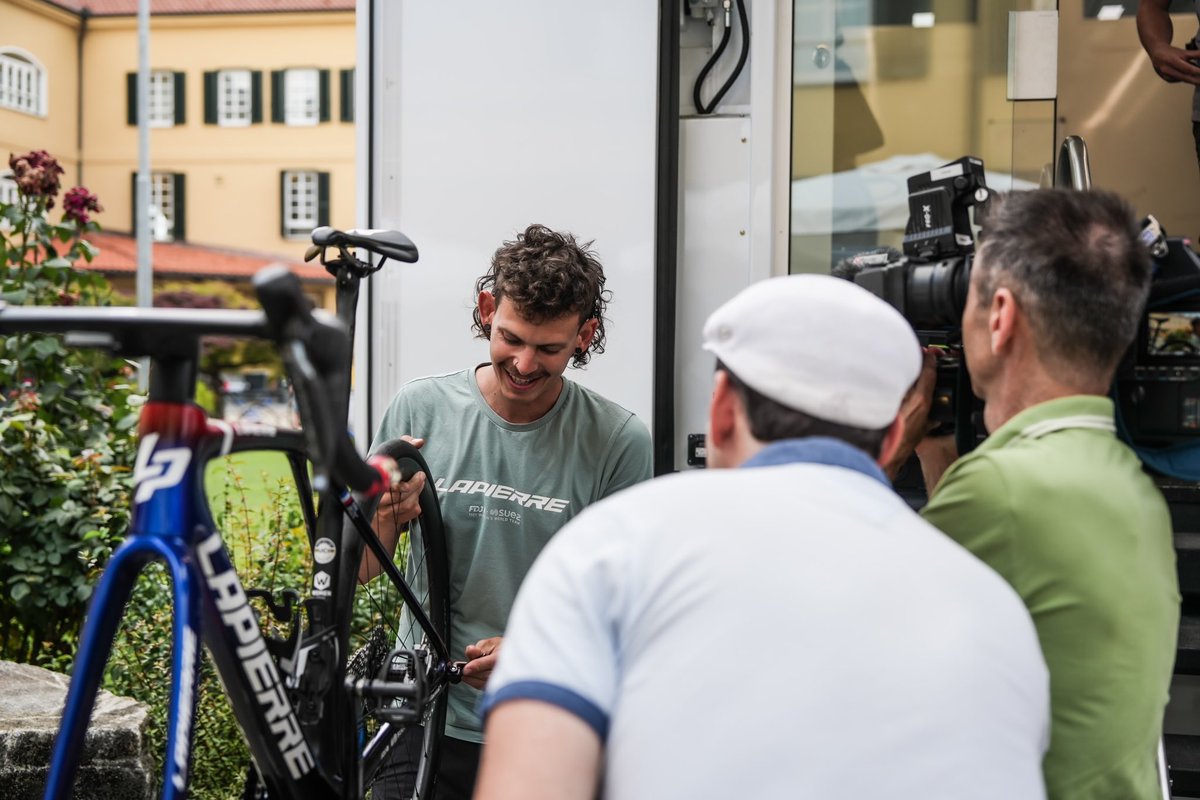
{"points": [[394, 646]]}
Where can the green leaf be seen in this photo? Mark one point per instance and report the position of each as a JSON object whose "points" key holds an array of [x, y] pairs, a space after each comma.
{"points": [[46, 346], [19, 591]]}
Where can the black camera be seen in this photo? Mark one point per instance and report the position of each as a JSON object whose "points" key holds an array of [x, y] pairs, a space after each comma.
{"points": [[1157, 388], [928, 282]]}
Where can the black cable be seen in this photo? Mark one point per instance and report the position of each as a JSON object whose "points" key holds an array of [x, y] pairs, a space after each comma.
{"points": [[737, 70]]}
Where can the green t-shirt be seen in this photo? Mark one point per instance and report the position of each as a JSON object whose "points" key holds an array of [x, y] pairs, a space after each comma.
{"points": [[505, 489], [1056, 504]]}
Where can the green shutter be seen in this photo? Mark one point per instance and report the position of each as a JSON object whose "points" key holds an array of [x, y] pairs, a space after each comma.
{"points": [[180, 231], [347, 95], [180, 104], [131, 98], [256, 96], [283, 233], [210, 98], [323, 106], [322, 198], [278, 82], [133, 215]]}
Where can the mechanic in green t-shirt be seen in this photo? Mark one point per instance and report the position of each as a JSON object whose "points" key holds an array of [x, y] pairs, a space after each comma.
{"points": [[516, 450], [1052, 500]]}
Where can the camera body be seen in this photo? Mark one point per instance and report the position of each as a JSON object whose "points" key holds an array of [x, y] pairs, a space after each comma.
{"points": [[1157, 387], [928, 282]]}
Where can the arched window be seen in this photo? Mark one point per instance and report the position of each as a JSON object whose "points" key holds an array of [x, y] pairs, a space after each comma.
{"points": [[8, 188], [22, 82]]}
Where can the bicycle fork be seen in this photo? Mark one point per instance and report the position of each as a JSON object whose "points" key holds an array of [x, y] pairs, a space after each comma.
{"points": [[103, 618]]}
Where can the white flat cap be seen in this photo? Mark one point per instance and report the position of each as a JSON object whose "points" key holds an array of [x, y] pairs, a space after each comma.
{"points": [[820, 345]]}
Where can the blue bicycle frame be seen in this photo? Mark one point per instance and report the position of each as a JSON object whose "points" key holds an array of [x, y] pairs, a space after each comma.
{"points": [[172, 523], [300, 721]]}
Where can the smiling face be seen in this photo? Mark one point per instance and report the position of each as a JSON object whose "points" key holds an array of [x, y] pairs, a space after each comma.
{"points": [[528, 359]]}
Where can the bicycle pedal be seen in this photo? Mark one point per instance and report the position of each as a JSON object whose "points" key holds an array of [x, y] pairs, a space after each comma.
{"points": [[406, 714], [374, 688]]}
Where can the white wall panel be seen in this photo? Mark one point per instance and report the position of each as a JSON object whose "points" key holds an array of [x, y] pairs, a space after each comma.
{"points": [[714, 260], [487, 117]]}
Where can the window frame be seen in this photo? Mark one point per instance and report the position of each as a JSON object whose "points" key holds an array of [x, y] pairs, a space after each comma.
{"points": [[31, 99], [298, 105], [229, 116], [173, 187], [8, 188], [314, 203], [301, 102], [161, 99], [162, 198]]}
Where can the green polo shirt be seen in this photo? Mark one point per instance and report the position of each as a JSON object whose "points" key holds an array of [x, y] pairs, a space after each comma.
{"points": [[1061, 508]]}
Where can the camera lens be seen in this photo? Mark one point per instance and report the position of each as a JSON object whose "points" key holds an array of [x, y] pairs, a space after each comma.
{"points": [[937, 292]]}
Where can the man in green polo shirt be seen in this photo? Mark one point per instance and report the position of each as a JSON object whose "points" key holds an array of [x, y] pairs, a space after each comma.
{"points": [[1052, 500]]}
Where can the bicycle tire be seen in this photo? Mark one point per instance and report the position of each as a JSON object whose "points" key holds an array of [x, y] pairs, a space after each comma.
{"points": [[420, 556]]}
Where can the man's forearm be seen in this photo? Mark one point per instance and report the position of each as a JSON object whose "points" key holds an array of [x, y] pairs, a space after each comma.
{"points": [[1154, 25], [537, 751], [369, 567], [936, 455]]}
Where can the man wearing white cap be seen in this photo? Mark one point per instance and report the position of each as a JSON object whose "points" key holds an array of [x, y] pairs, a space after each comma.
{"points": [[789, 628]]}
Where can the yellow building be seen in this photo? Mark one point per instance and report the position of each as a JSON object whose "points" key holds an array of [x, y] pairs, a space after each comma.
{"points": [[250, 108]]}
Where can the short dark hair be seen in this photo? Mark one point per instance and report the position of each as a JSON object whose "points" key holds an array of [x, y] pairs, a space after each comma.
{"points": [[771, 421], [548, 275], [1075, 264]]}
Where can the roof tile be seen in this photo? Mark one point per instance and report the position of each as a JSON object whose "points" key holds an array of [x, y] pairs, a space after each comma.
{"points": [[118, 255]]}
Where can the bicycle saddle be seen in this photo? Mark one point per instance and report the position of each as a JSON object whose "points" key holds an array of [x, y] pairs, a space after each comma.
{"points": [[389, 244]]}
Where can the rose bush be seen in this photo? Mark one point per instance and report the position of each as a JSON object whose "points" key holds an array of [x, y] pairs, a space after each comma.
{"points": [[65, 417]]}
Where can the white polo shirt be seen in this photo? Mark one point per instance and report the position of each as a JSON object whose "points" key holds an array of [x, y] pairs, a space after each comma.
{"points": [[789, 631]]}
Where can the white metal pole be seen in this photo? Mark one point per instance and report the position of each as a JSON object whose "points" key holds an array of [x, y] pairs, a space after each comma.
{"points": [[145, 273]]}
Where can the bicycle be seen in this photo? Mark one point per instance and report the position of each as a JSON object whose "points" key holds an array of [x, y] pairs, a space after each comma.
{"points": [[319, 720]]}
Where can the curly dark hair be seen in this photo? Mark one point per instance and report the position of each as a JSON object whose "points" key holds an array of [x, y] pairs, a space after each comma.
{"points": [[548, 275]]}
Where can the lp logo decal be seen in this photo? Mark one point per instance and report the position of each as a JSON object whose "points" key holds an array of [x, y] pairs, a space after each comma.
{"points": [[160, 470]]}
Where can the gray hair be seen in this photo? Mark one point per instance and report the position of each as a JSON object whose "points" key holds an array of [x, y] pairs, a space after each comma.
{"points": [[1075, 265]]}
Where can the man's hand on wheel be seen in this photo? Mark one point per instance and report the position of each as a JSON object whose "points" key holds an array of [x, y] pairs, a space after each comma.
{"points": [[482, 660]]}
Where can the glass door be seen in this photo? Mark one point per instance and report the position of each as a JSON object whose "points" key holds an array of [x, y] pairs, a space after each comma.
{"points": [[886, 89]]}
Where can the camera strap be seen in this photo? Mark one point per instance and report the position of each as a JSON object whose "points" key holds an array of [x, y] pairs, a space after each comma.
{"points": [[1088, 421]]}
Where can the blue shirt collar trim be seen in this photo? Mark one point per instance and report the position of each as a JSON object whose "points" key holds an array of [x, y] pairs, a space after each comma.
{"points": [[817, 450]]}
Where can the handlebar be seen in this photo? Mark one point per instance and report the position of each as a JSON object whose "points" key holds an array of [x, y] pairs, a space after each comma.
{"points": [[312, 345]]}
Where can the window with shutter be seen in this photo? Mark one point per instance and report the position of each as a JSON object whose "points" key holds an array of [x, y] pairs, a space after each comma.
{"points": [[300, 203]]}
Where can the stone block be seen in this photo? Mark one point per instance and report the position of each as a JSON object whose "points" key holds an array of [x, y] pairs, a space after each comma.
{"points": [[115, 763]]}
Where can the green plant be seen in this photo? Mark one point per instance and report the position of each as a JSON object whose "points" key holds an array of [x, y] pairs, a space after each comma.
{"points": [[65, 448]]}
